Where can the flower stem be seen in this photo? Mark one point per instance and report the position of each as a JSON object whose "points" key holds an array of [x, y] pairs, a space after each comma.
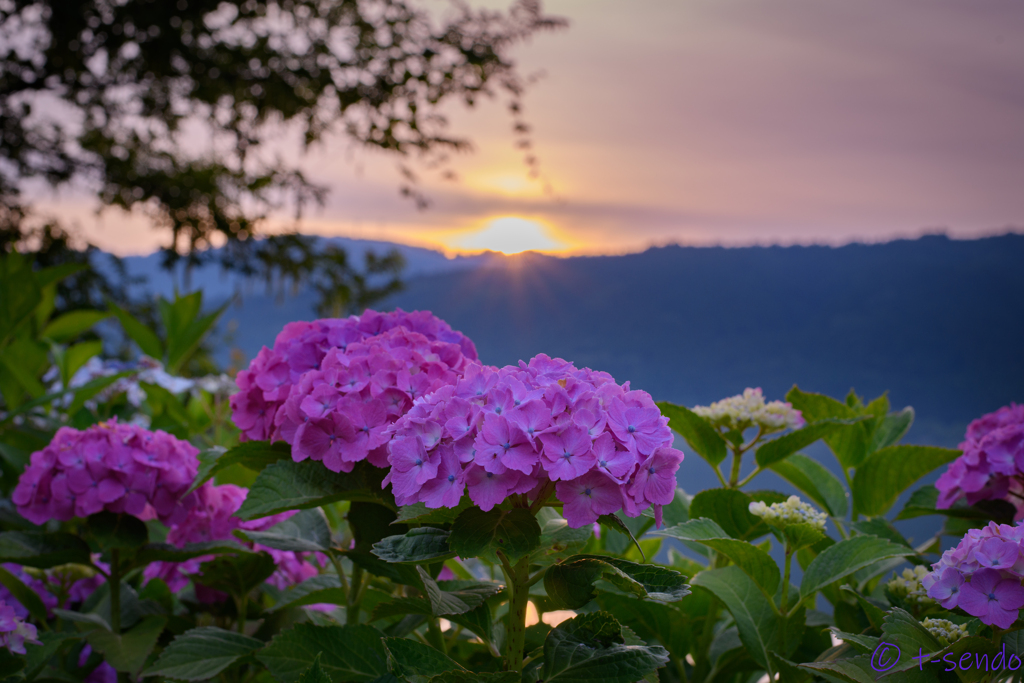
{"points": [[354, 596], [519, 586], [785, 579], [737, 460], [115, 590], [435, 636]]}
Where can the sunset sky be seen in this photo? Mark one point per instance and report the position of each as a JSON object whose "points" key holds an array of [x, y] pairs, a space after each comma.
{"points": [[709, 122]]}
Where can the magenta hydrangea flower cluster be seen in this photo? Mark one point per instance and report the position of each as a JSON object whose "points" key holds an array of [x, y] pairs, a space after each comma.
{"points": [[520, 429], [14, 631], [301, 347], [992, 464], [982, 575], [211, 518], [111, 466]]}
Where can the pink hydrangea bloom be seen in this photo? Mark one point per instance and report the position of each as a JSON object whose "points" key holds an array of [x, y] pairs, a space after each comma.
{"points": [[301, 348], [111, 466], [992, 464], [982, 575], [211, 518], [520, 429], [14, 632]]}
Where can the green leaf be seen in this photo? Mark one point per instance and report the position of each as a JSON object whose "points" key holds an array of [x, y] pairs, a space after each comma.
{"points": [[370, 523], [476, 533], [784, 446], [54, 274], [202, 653], [591, 648], [423, 545], [255, 455], [288, 485], [165, 552], [38, 656], [305, 531], [755, 563], [43, 550], [892, 428], [846, 557], [128, 651], [613, 522], [730, 509], [557, 539], [698, 432], [109, 530], [874, 613], [410, 658], [23, 594], [146, 338], [885, 474], [853, 670], [570, 584], [462, 597], [78, 355], [470, 677], [813, 479], [479, 620], [324, 588], [190, 330], [858, 641], [348, 653], [315, 673], [850, 445], [421, 514], [800, 536], [881, 527], [20, 293], [236, 574], [90, 389], [758, 624], [66, 327]]}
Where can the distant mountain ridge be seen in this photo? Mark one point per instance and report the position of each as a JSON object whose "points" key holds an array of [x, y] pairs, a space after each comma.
{"points": [[937, 322]]}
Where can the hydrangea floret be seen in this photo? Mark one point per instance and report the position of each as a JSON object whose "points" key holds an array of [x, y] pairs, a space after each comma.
{"points": [[749, 409], [945, 631], [535, 429], [112, 466], [992, 464], [14, 631], [211, 518], [789, 512], [907, 586], [982, 575], [331, 387]]}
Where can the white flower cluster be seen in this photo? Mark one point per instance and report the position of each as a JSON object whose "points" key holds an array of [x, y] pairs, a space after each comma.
{"points": [[750, 410], [792, 511], [946, 632], [908, 586]]}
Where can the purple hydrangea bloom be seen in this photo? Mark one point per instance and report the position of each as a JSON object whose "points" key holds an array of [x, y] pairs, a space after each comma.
{"points": [[992, 464], [14, 632], [982, 575], [520, 429], [211, 518], [258, 408], [111, 466]]}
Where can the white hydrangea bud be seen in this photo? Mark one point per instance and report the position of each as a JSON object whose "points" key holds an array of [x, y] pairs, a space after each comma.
{"points": [[908, 586], [750, 410], [946, 632], [791, 511]]}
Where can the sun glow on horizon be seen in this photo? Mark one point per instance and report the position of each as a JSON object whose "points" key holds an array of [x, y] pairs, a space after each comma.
{"points": [[510, 235]]}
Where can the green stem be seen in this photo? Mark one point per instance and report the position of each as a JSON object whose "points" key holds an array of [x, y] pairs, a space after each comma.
{"points": [[785, 579], [753, 474], [849, 486], [341, 572], [718, 472], [519, 586], [435, 636], [115, 590], [354, 595], [243, 608], [737, 460]]}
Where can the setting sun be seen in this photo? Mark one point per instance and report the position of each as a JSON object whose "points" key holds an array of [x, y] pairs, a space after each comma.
{"points": [[511, 235]]}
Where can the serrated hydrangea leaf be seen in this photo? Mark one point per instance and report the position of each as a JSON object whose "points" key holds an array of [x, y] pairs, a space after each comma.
{"points": [[852, 670], [730, 509], [410, 658], [324, 588], [478, 621], [128, 651], [697, 431], [758, 623], [43, 550], [315, 673], [668, 624], [255, 455], [887, 473], [236, 574], [470, 677], [423, 545], [305, 531], [421, 514], [757, 564], [399, 573], [846, 557], [816, 481], [476, 533], [591, 648], [456, 597], [804, 535], [616, 523], [862, 643], [202, 653], [892, 428], [881, 527], [350, 653], [288, 485], [570, 584], [780, 448]]}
